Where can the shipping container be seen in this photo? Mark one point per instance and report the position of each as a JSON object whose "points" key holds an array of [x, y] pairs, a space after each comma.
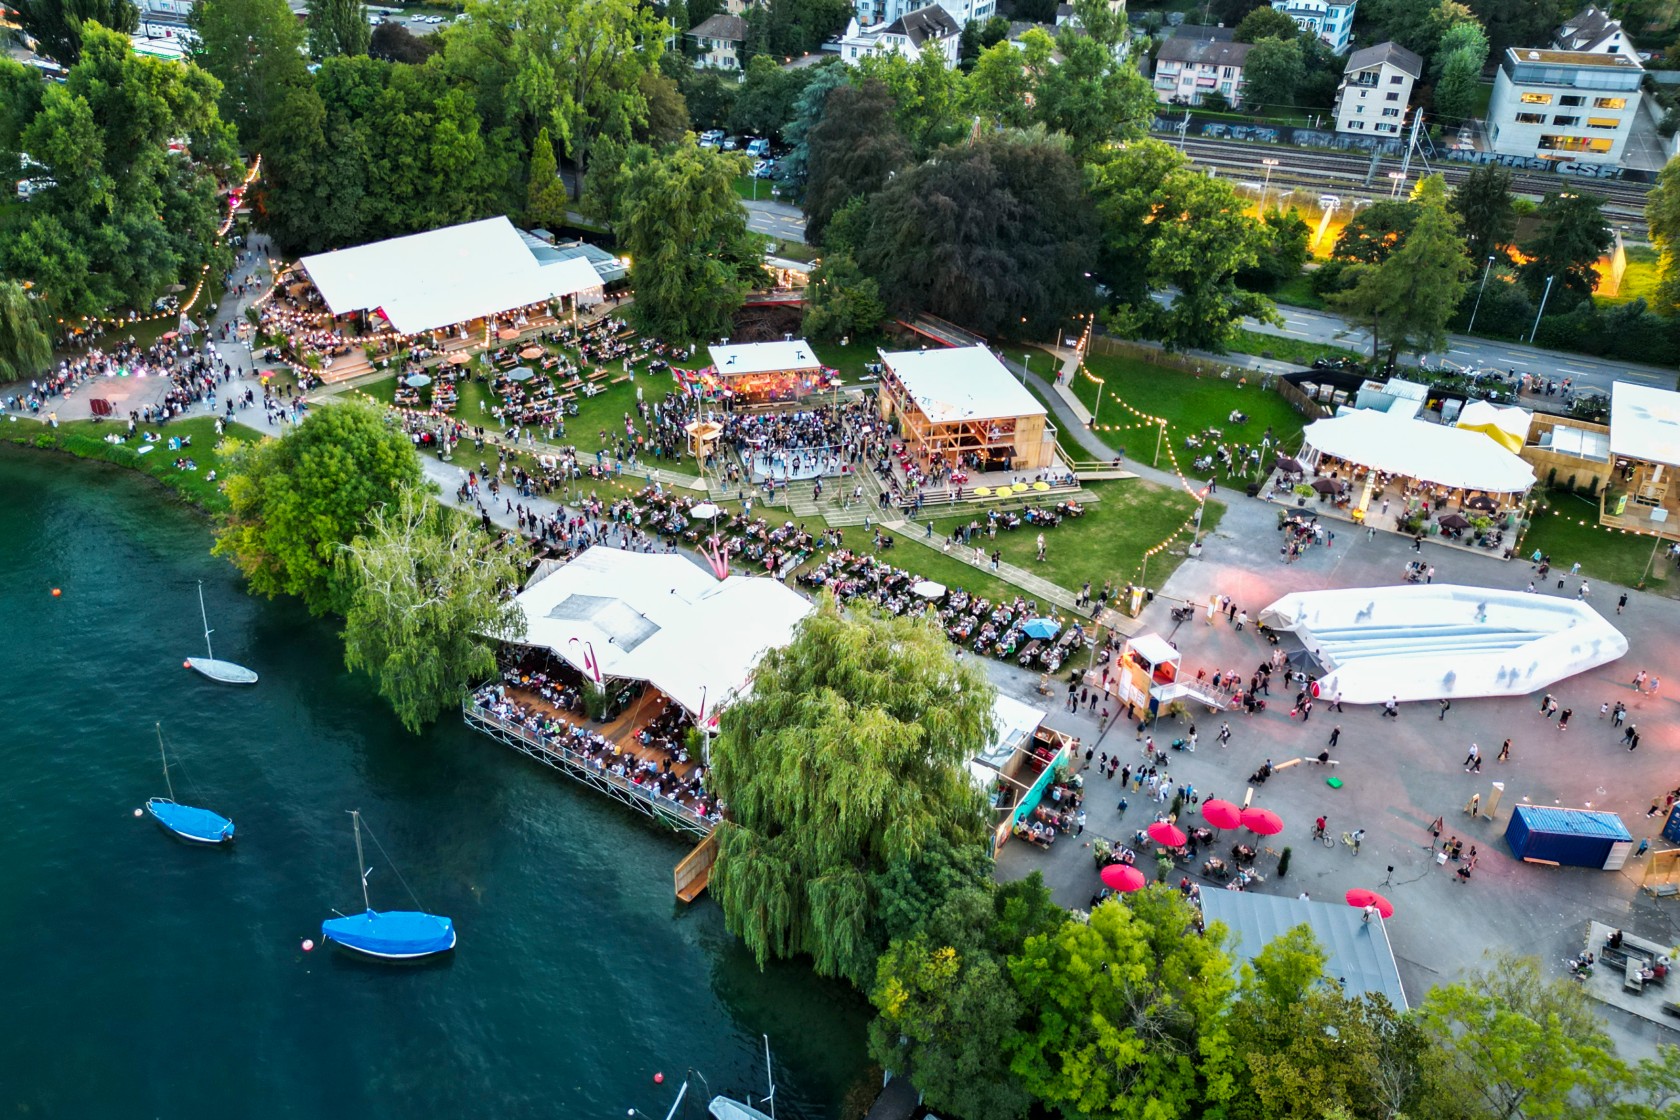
{"points": [[1571, 837]]}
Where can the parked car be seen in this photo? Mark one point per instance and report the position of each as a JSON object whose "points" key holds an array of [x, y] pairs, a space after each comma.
{"points": [[730, 143], [758, 146], [711, 138], [764, 169]]}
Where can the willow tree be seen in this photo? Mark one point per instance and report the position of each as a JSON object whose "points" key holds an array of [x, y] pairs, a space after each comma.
{"points": [[428, 603], [24, 345], [847, 759]]}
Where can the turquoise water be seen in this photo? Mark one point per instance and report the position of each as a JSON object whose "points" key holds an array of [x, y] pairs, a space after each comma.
{"points": [[147, 978]]}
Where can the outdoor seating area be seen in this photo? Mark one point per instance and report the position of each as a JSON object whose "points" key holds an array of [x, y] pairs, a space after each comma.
{"points": [[1628, 972]]}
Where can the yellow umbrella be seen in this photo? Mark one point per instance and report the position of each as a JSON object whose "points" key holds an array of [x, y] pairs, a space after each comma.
{"points": [[982, 491], [1020, 488], [1041, 485]]}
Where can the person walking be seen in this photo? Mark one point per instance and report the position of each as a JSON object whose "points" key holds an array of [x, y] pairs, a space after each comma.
{"points": [[1335, 734], [1391, 708], [1633, 741], [1224, 734], [1473, 757], [1618, 714], [1446, 706], [1551, 708], [1622, 602], [1041, 546], [1545, 701], [1639, 681], [1504, 752], [1604, 709], [1563, 720], [1632, 730]]}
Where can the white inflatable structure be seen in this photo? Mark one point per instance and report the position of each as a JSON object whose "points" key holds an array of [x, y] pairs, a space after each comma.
{"points": [[1434, 641]]}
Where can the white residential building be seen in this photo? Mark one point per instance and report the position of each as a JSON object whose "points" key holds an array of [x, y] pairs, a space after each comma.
{"points": [[720, 39], [1330, 20], [1573, 106], [872, 12], [1188, 69], [905, 35], [1594, 32], [1376, 90]]}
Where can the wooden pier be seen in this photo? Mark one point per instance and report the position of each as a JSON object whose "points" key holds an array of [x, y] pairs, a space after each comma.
{"points": [[695, 871]]}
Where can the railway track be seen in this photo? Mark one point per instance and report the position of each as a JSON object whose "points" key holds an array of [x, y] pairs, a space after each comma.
{"points": [[1345, 173]]}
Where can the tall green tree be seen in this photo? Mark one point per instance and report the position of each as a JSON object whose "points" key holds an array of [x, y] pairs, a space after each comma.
{"points": [[994, 235], [927, 96], [1376, 232], [847, 758], [1407, 299], [25, 347], [793, 169], [1662, 217], [1274, 69], [692, 256], [1126, 1013], [338, 27], [1267, 23], [546, 201], [841, 301], [1567, 242], [295, 503], [1093, 96], [255, 49], [1483, 203], [855, 147], [57, 24], [428, 603]]}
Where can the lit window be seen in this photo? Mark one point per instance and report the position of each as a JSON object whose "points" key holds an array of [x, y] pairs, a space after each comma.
{"points": [[1610, 103], [1574, 144], [1536, 99], [1603, 122]]}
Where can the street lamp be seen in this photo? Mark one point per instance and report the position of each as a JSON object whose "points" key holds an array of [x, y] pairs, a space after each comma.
{"points": [[1472, 327], [1396, 178], [1026, 367], [1098, 410], [1270, 163], [1544, 296]]}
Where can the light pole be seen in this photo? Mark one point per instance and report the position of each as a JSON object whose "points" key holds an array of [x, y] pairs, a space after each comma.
{"points": [[1544, 296], [1472, 327], [1098, 410], [1267, 182], [1395, 178], [1160, 434], [1025, 367]]}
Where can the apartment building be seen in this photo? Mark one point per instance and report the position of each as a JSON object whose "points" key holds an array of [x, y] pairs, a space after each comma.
{"points": [[1197, 62], [1376, 90], [1330, 20], [1575, 106]]}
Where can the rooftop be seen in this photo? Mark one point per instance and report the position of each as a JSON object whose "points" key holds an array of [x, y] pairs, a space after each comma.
{"points": [[1357, 953], [1645, 423], [961, 383], [1391, 53], [730, 28], [1571, 58], [764, 357], [931, 22], [1211, 52]]}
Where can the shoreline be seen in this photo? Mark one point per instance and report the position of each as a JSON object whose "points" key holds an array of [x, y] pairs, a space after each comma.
{"points": [[76, 440]]}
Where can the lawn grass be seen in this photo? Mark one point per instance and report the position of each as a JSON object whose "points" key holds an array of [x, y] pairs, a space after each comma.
{"points": [[1285, 349], [1572, 533], [1299, 293], [1189, 404], [1639, 280], [1108, 543], [85, 439]]}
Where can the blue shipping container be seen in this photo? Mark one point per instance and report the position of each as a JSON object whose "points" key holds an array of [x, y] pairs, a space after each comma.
{"points": [[1571, 837]]}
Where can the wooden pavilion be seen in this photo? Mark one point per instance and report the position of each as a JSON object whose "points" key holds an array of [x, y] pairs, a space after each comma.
{"points": [[961, 405]]}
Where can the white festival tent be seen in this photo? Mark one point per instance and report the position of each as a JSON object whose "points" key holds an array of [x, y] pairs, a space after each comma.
{"points": [[663, 619], [446, 276], [765, 357], [1455, 457], [1437, 641]]}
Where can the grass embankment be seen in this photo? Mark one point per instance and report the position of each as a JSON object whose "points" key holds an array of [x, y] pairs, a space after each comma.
{"points": [[1566, 528], [1285, 349], [1189, 404], [87, 439]]}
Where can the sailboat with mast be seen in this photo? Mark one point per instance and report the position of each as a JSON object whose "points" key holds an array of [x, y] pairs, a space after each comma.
{"points": [[391, 935], [728, 1108], [224, 671], [199, 826]]}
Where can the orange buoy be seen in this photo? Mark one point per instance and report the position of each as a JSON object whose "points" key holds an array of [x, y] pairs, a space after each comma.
{"points": [[308, 945], [659, 1079], [57, 593], [186, 664]]}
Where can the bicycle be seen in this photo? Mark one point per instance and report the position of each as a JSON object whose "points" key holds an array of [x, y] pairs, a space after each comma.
{"points": [[1350, 841], [1322, 835]]}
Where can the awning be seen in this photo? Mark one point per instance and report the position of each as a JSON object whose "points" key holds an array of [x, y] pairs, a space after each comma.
{"points": [[1446, 456]]}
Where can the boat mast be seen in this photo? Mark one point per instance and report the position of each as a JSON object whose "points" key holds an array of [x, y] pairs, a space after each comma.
{"points": [[208, 652], [361, 862], [770, 1078], [165, 756]]}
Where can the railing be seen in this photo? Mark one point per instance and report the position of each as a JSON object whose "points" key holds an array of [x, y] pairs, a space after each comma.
{"points": [[664, 810]]}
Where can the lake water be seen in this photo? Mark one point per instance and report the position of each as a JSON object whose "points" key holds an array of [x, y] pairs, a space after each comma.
{"points": [[147, 978]]}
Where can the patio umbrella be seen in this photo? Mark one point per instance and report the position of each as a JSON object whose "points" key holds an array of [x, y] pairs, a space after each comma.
{"points": [[1123, 877], [531, 353], [520, 374], [1221, 814], [1455, 521], [460, 358], [507, 332], [1285, 463], [1326, 485], [1262, 821], [171, 336], [1041, 485], [982, 491], [417, 381], [927, 589], [1165, 832], [705, 511], [1483, 503], [176, 288], [1019, 488], [1041, 628], [1361, 897]]}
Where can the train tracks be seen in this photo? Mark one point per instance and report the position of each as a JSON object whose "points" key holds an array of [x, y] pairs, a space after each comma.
{"points": [[1345, 174]]}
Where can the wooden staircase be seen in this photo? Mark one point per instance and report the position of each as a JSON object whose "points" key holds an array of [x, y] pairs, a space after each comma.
{"points": [[695, 870]]}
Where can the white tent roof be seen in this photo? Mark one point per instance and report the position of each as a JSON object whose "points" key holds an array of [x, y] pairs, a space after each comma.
{"points": [[444, 276], [1510, 418], [764, 357], [961, 383], [662, 619], [1428, 641], [1432, 452], [1154, 649], [1645, 423]]}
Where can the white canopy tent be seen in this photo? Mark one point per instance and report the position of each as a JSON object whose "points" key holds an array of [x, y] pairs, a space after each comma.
{"points": [[1434, 641], [1455, 457], [1645, 423], [446, 276], [662, 619], [765, 357]]}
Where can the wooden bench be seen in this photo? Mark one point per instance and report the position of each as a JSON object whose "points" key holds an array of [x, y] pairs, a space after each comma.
{"points": [[620, 378], [1541, 862]]}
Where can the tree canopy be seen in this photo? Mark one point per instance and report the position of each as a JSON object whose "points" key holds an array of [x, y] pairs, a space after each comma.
{"points": [[57, 24], [295, 503], [1662, 215], [254, 48], [846, 759], [429, 600], [1567, 243], [338, 27], [854, 148], [1483, 203], [25, 346]]}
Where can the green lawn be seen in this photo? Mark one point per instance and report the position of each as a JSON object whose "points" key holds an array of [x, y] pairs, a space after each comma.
{"points": [[1573, 534], [1286, 349], [1189, 404], [1107, 543], [86, 439], [1640, 279], [1299, 293]]}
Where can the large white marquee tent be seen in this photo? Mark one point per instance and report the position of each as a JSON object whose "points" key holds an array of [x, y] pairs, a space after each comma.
{"points": [[1434, 641], [446, 276], [662, 619], [1457, 457]]}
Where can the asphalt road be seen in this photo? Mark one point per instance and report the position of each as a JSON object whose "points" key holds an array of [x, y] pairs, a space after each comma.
{"points": [[776, 219], [1319, 326]]}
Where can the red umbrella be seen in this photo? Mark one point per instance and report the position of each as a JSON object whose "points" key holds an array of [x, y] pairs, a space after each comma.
{"points": [[1165, 832], [1263, 821], [1221, 814], [1123, 877], [1362, 898]]}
